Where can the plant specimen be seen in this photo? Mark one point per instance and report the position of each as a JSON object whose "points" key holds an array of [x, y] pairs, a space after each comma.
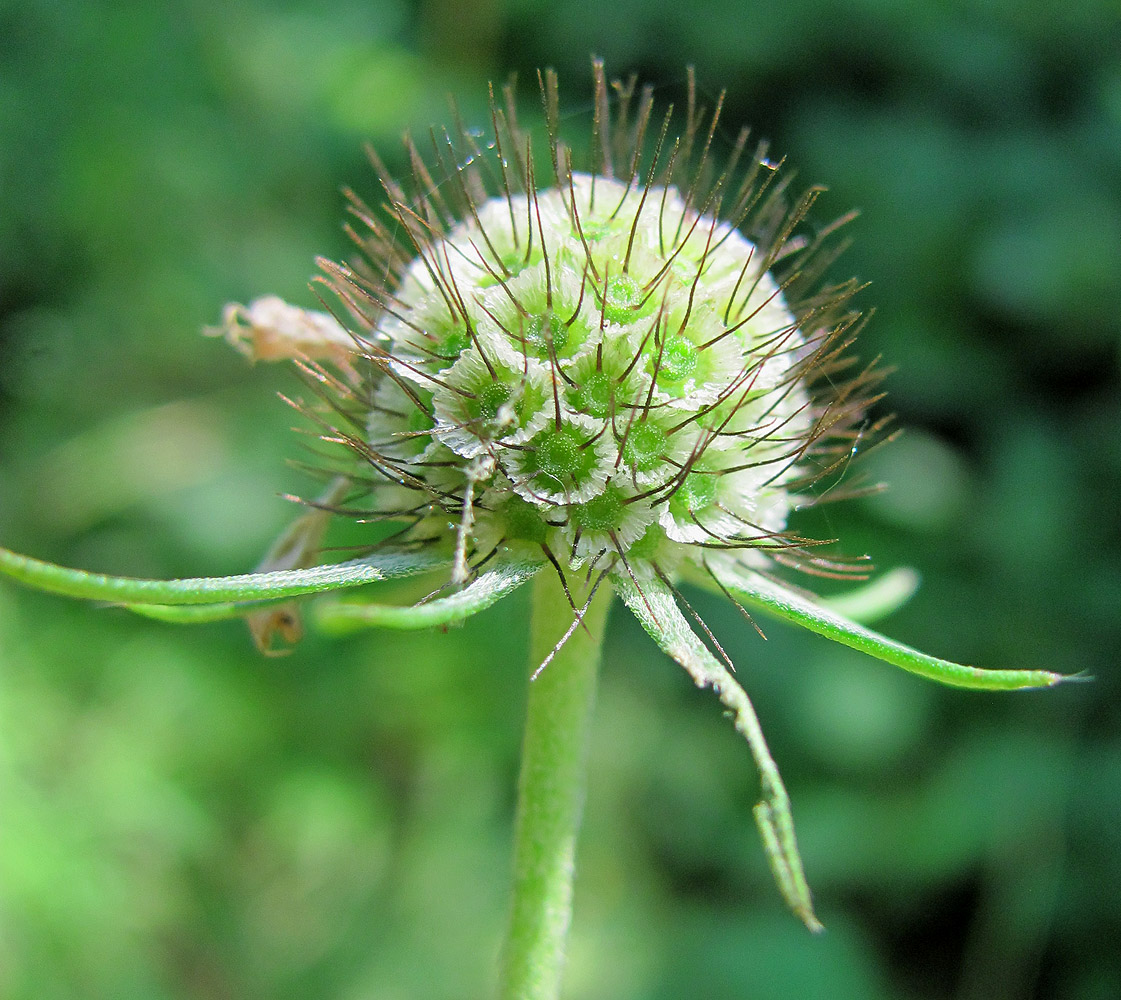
{"points": [[607, 373]]}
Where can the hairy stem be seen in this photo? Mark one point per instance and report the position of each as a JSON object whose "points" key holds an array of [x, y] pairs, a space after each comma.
{"points": [[551, 790]]}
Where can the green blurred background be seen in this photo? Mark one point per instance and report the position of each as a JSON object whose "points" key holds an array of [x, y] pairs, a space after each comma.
{"points": [[182, 818]]}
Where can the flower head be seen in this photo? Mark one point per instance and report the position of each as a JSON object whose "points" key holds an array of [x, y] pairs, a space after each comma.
{"points": [[629, 362]]}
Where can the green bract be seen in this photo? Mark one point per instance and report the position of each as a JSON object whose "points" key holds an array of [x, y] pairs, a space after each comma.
{"points": [[626, 371]]}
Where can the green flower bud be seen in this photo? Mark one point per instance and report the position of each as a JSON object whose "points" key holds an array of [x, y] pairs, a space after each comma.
{"points": [[576, 356]]}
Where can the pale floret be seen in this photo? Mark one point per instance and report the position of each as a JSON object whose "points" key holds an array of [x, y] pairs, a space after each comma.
{"points": [[590, 539], [545, 312], [599, 365], [487, 403], [569, 464]]}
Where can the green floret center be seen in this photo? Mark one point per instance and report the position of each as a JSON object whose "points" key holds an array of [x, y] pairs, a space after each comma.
{"points": [[624, 300], [560, 459], [545, 335], [491, 398], [696, 492], [679, 361], [495, 407], [645, 447], [594, 395], [558, 453], [602, 513]]}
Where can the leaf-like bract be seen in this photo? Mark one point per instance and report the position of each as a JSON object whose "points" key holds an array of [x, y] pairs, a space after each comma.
{"points": [[657, 611], [502, 575], [383, 564], [782, 602]]}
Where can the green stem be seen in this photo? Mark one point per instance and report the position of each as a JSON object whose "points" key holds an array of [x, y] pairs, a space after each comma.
{"points": [[551, 790]]}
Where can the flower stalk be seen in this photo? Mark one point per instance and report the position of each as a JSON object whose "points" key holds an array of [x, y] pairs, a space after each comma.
{"points": [[551, 789]]}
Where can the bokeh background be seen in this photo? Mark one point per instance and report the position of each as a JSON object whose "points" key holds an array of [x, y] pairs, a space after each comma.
{"points": [[181, 818]]}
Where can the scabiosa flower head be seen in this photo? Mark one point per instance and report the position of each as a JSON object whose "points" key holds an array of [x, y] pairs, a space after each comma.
{"points": [[629, 361]]}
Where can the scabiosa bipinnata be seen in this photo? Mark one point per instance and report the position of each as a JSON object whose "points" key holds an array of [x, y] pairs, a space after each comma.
{"points": [[597, 362], [622, 367]]}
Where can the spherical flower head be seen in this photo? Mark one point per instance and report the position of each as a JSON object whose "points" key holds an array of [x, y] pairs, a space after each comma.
{"points": [[621, 364]]}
